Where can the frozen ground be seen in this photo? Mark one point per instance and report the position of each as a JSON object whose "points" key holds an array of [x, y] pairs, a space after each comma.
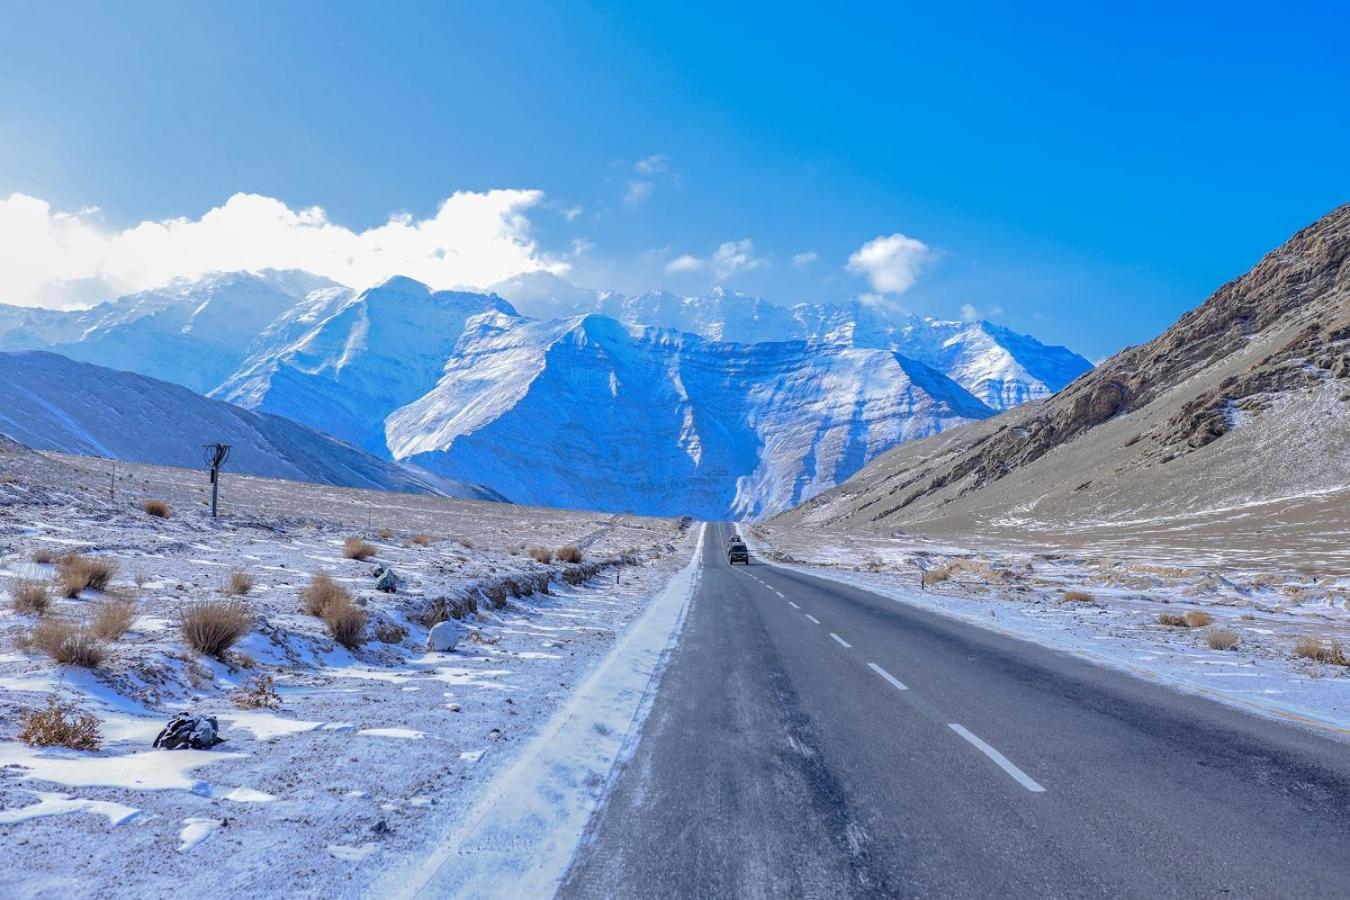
{"points": [[371, 752], [1027, 594]]}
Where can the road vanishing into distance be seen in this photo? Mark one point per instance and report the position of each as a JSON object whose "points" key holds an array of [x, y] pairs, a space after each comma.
{"points": [[811, 739]]}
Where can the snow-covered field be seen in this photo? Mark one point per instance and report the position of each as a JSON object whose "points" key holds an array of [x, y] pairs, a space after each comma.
{"points": [[371, 752], [1114, 620]]}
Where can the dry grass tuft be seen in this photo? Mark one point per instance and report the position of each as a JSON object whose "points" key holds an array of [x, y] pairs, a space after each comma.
{"points": [[934, 576], [346, 622], [1197, 619], [59, 725], [259, 692], [356, 548], [239, 584], [569, 553], [31, 596], [1222, 639], [1078, 597], [68, 644], [420, 540], [212, 627], [541, 554], [390, 633], [160, 509], [384, 534], [113, 618], [1312, 648], [322, 592], [44, 555], [76, 572]]}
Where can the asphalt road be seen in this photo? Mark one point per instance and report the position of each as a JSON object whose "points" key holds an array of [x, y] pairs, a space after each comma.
{"points": [[810, 739]]}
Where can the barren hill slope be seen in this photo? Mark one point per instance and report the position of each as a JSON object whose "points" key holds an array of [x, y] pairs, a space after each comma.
{"points": [[1232, 423]]}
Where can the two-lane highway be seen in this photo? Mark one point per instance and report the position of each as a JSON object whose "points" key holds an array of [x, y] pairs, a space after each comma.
{"points": [[814, 739]]}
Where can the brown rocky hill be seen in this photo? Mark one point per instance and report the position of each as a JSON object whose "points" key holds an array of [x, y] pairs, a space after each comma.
{"points": [[1243, 403]]}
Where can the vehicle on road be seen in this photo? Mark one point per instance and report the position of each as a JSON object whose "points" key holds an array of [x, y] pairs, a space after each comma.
{"points": [[737, 552]]}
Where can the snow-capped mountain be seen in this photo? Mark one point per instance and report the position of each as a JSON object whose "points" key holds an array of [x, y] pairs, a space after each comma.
{"points": [[997, 365], [341, 364], [49, 402], [591, 412]]}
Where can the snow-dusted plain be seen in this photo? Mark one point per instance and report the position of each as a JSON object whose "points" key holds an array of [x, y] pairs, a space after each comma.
{"points": [[1027, 594], [372, 754]]}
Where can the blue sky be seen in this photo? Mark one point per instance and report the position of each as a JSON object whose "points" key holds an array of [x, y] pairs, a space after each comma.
{"points": [[1083, 172]]}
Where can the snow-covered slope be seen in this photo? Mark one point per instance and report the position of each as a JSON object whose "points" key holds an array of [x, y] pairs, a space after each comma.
{"points": [[997, 365], [50, 402], [341, 364], [591, 412]]}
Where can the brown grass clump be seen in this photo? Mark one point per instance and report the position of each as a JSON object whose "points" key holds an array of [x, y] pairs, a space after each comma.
{"points": [[356, 548], [259, 692], [1197, 619], [160, 509], [322, 592], [239, 584], [76, 572], [68, 644], [31, 596], [346, 622], [384, 534], [1172, 619], [1078, 597], [390, 633], [1312, 648], [1222, 639], [59, 725], [569, 553], [934, 576], [420, 540], [541, 554], [44, 555], [113, 618], [212, 627]]}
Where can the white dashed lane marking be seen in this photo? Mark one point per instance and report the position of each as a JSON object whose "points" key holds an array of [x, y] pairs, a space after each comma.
{"points": [[812, 618], [894, 682], [841, 641], [999, 759]]}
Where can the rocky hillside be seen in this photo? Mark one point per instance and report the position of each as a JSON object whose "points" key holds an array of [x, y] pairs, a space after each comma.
{"points": [[1245, 401]]}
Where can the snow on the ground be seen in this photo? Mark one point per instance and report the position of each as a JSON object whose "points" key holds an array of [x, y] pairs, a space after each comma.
{"points": [[370, 751], [1027, 595]]}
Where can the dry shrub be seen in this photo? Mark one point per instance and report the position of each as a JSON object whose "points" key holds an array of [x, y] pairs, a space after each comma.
{"points": [[259, 692], [1172, 619], [1222, 639], [420, 540], [933, 576], [321, 593], [68, 644], [160, 509], [384, 534], [31, 596], [1197, 619], [541, 554], [569, 553], [346, 622], [1078, 597], [59, 725], [356, 548], [1312, 648], [113, 618], [390, 633], [76, 572], [44, 555], [436, 612], [240, 583], [213, 626]]}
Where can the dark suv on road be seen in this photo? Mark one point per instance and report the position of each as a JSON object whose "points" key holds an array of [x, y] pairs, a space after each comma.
{"points": [[737, 552]]}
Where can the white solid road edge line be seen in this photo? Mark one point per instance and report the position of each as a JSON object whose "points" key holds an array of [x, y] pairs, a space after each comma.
{"points": [[1018, 775], [895, 682], [840, 640], [812, 618], [521, 834]]}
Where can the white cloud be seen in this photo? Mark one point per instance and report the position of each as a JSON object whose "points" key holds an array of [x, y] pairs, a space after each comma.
{"points": [[638, 193], [734, 257], [685, 263], [61, 259], [802, 260], [889, 263], [971, 313], [581, 246], [656, 164]]}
